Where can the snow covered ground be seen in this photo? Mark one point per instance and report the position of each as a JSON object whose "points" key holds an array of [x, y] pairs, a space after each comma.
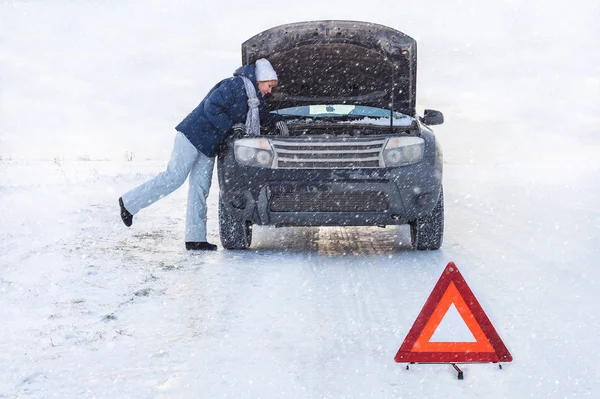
{"points": [[93, 309], [89, 308]]}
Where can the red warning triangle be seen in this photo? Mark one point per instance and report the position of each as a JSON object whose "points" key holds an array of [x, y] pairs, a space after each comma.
{"points": [[451, 289]]}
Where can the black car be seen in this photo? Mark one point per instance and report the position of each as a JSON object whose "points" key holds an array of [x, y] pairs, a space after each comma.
{"points": [[356, 154]]}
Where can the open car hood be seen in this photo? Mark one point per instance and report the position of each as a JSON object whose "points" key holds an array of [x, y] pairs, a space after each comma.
{"points": [[338, 62]]}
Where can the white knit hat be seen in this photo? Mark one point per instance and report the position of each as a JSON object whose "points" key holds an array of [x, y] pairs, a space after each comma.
{"points": [[264, 70]]}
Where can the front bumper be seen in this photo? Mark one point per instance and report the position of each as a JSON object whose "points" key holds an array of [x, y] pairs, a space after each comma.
{"points": [[330, 197]]}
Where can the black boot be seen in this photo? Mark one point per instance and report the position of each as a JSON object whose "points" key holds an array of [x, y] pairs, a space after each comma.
{"points": [[200, 246], [126, 217]]}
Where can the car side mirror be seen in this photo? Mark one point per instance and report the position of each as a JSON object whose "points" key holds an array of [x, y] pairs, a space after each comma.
{"points": [[432, 117]]}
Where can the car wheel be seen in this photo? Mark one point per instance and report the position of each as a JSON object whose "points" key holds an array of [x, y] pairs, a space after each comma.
{"points": [[234, 233], [427, 232]]}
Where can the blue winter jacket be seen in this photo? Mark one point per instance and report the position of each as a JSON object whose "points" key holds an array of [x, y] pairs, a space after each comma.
{"points": [[226, 104]]}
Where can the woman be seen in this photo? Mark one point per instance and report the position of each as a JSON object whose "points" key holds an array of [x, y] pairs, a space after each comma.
{"points": [[239, 99]]}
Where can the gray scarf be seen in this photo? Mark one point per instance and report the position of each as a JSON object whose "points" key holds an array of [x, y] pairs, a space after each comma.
{"points": [[252, 119]]}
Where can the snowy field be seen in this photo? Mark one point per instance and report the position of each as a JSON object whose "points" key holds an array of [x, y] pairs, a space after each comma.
{"points": [[89, 308]]}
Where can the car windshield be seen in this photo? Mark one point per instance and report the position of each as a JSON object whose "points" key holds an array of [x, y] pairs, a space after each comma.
{"points": [[346, 111], [338, 110]]}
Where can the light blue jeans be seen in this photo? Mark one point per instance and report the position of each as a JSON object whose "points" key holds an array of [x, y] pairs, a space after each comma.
{"points": [[185, 160]]}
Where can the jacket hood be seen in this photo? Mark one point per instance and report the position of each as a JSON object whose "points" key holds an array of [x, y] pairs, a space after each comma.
{"points": [[338, 62], [246, 71], [249, 72]]}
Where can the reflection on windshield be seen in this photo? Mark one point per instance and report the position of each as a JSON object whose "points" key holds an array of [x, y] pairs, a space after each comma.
{"points": [[339, 110]]}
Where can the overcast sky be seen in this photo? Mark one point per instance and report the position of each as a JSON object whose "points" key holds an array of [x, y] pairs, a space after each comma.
{"points": [[517, 81]]}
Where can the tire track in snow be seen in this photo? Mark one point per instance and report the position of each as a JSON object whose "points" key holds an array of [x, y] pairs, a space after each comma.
{"points": [[361, 240]]}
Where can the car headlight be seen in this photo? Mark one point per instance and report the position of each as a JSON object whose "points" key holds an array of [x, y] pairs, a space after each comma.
{"points": [[400, 151], [254, 152]]}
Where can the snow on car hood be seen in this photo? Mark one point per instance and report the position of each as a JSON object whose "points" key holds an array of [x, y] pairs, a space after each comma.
{"points": [[338, 62]]}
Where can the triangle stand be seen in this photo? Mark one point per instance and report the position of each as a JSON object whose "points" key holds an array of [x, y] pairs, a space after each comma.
{"points": [[460, 376]]}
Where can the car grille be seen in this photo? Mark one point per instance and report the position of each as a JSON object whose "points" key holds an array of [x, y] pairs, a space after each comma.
{"points": [[339, 153], [368, 201]]}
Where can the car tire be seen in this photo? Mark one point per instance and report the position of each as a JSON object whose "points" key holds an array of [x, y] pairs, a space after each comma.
{"points": [[234, 233], [427, 232]]}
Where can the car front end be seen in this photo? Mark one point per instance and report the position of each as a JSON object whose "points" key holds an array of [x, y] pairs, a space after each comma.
{"points": [[319, 180]]}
